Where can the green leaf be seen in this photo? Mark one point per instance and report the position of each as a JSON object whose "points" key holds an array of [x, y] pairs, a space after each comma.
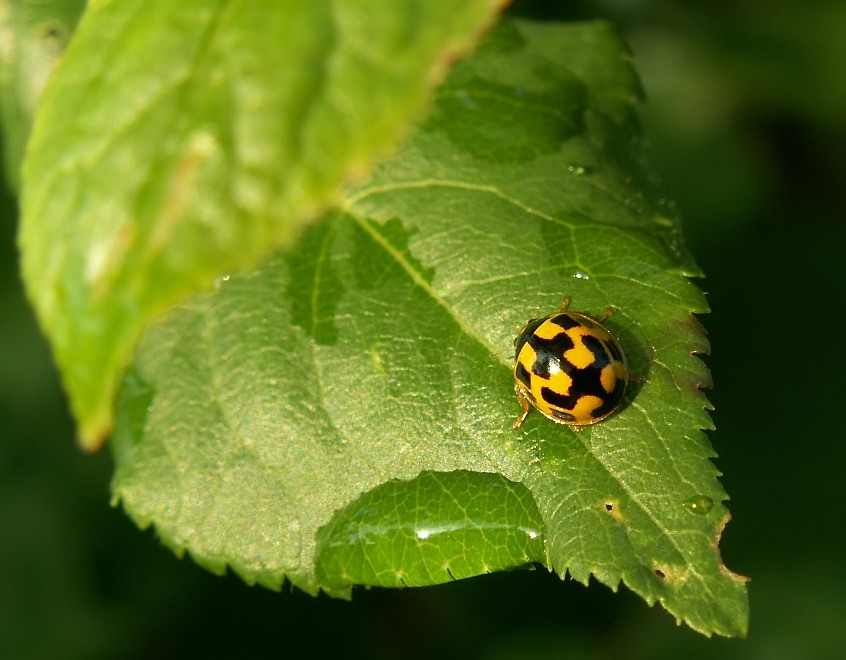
{"points": [[309, 417], [33, 36], [214, 132], [417, 533]]}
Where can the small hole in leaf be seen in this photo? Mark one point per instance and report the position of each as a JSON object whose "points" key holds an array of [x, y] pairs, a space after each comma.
{"points": [[612, 508]]}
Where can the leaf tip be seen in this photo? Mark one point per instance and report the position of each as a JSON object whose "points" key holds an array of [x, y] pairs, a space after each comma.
{"points": [[94, 431]]}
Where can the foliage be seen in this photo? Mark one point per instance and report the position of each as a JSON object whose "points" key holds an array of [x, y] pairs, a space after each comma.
{"points": [[344, 404]]}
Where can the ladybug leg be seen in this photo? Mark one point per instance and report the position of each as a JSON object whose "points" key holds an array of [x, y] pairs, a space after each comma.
{"points": [[565, 303], [524, 402], [608, 312]]}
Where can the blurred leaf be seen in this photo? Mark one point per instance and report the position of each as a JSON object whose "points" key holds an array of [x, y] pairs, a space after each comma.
{"points": [[33, 36], [780, 62], [360, 381], [178, 140]]}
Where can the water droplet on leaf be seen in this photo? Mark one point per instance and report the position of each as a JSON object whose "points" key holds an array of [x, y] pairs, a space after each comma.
{"points": [[579, 170], [699, 504]]}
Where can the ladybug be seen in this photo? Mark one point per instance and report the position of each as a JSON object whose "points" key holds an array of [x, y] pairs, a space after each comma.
{"points": [[569, 367]]}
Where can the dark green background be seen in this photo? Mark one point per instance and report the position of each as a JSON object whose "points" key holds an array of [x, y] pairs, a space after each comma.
{"points": [[746, 115]]}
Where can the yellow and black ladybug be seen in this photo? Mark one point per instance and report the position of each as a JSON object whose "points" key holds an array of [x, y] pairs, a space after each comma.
{"points": [[569, 367]]}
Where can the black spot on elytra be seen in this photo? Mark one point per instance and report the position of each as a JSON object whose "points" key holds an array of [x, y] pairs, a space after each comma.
{"points": [[563, 416], [553, 398], [600, 355], [585, 381], [522, 374], [549, 351], [564, 321], [525, 334], [610, 401]]}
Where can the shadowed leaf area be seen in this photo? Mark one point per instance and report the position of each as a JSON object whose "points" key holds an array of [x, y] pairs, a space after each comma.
{"points": [[342, 413]]}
